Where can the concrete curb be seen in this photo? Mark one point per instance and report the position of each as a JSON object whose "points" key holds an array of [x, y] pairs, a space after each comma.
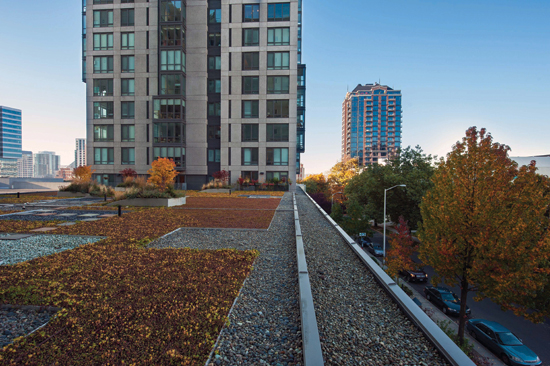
{"points": [[448, 349]]}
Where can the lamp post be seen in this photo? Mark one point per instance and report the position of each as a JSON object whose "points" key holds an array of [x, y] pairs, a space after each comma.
{"points": [[384, 240]]}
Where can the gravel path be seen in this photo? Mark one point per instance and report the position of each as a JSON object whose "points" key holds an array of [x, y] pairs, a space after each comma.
{"points": [[20, 322], [21, 250], [265, 321], [358, 323], [61, 215]]}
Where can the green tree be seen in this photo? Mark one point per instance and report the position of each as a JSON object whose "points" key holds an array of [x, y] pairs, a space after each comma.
{"points": [[485, 227], [337, 213]]}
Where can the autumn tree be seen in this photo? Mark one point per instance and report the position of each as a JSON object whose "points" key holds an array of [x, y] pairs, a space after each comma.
{"points": [[128, 173], [316, 183], [398, 257], [340, 174], [485, 227], [162, 173], [82, 174]]}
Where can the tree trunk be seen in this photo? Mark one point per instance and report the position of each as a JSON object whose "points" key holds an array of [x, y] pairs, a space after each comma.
{"points": [[462, 316]]}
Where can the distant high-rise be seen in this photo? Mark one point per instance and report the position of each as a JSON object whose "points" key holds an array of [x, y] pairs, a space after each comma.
{"points": [[371, 123], [80, 153], [46, 164], [25, 165], [10, 140]]}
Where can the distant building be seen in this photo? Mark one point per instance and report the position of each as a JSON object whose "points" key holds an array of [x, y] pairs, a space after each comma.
{"points": [[25, 165], [10, 140], [65, 173], [80, 153], [302, 173], [542, 162], [371, 123], [46, 164]]}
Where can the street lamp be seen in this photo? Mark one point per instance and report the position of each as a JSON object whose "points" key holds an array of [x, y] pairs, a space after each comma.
{"points": [[384, 241], [332, 198]]}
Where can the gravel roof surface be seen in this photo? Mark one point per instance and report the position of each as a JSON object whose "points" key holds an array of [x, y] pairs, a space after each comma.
{"points": [[265, 321], [20, 322], [62, 215], [358, 322]]}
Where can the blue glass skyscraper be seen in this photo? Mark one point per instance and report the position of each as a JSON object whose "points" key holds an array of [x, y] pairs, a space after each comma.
{"points": [[10, 140]]}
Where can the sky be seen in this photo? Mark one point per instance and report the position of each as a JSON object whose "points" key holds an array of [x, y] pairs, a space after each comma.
{"points": [[458, 64]]}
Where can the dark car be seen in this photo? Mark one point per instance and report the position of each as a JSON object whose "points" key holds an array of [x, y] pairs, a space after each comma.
{"points": [[416, 275], [502, 342], [444, 299], [375, 249], [364, 241]]}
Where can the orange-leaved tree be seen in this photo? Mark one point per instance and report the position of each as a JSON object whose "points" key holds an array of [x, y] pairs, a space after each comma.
{"points": [[339, 176], [162, 173], [398, 257], [82, 174], [485, 227]]}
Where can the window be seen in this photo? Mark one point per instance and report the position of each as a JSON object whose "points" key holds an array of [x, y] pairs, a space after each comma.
{"points": [[126, 17], [213, 155], [251, 85], [249, 156], [127, 64], [127, 110], [126, 1], [168, 109], [214, 39], [127, 41], [214, 86], [277, 109], [215, 16], [277, 132], [214, 132], [104, 155], [250, 109], [128, 156], [172, 84], [103, 41], [277, 84], [249, 175], [103, 87], [280, 176], [171, 11], [214, 62], [103, 64], [278, 60], [127, 87], [214, 109], [103, 110], [103, 18], [278, 36], [103, 1], [276, 156], [249, 133], [251, 61], [251, 37], [177, 154], [278, 12], [173, 60], [251, 13], [171, 35], [103, 133], [128, 133], [170, 133]]}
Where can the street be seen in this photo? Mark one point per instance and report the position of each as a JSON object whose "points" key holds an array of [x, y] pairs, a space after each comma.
{"points": [[534, 336]]}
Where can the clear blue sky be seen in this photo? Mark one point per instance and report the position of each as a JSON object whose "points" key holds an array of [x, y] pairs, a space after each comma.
{"points": [[458, 64]]}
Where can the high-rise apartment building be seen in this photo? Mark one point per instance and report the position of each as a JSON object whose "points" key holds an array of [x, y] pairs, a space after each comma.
{"points": [[80, 153], [25, 165], [10, 140], [214, 85], [371, 123], [46, 164]]}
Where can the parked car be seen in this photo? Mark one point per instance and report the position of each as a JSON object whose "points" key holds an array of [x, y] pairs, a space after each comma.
{"points": [[502, 342], [444, 299], [364, 241], [375, 249], [416, 275]]}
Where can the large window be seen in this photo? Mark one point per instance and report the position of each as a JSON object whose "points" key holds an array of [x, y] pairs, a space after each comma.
{"points": [[280, 176], [172, 60], [249, 156], [103, 87], [127, 87], [172, 84], [171, 11], [213, 155], [214, 132], [103, 1], [103, 18], [171, 35], [214, 39], [251, 61], [214, 109], [104, 155], [276, 156], [169, 133], [249, 132], [277, 132], [128, 155], [278, 60], [277, 109], [251, 37], [126, 17], [127, 63], [214, 86], [127, 41], [278, 36], [277, 84], [127, 110], [103, 110], [250, 109], [215, 16], [278, 12], [251, 13], [103, 133], [177, 154], [103, 64], [168, 109], [128, 133], [249, 175], [214, 62], [103, 41], [251, 85]]}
